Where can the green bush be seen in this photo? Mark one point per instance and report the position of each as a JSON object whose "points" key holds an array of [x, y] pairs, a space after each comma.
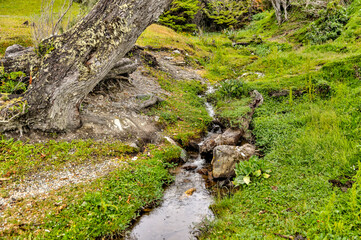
{"points": [[232, 88], [329, 26], [9, 83], [249, 171], [267, 48], [181, 14], [226, 14], [259, 16]]}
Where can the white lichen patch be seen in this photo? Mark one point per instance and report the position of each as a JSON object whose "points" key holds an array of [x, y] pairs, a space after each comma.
{"points": [[118, 124]]}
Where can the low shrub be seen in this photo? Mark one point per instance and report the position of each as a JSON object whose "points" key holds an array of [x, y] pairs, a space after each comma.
{"points": [[330, 24], [180, 16], [9, 83], [232, 88]]}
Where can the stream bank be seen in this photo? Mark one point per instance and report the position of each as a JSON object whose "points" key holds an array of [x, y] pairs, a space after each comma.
{"points": [[186, 202]]}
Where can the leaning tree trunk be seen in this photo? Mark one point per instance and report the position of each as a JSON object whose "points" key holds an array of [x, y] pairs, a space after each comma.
{"points": [[280, 7], [72, 64]]}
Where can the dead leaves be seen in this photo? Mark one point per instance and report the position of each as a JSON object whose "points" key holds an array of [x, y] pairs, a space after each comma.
{"points": [[61, 208]]}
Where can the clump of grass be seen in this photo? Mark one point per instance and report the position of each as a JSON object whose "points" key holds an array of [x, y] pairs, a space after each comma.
{"points": [[183, 113], [233, 112], [305, 145], [9, 82]]}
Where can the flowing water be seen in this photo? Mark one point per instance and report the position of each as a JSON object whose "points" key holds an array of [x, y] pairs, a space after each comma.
{"points": [[179, 213]]}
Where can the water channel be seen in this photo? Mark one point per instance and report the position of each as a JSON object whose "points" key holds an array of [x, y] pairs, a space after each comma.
{"points": [[179, 213]]}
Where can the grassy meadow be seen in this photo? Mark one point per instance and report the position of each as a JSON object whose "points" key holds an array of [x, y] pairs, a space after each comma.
{"points": [[13, 15]]}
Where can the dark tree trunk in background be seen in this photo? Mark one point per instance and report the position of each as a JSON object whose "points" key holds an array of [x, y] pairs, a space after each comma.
{"points": [[280, 7], [72, 64]]}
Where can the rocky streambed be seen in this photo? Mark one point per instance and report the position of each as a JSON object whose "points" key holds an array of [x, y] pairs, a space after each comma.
{"points": [[186, 203]]}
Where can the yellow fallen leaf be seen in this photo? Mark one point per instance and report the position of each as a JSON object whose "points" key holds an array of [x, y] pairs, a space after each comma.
{"points": [[247, 180], [265, 175], [190, 192]]}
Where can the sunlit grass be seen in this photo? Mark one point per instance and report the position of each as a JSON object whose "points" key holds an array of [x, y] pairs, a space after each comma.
{"points": [[13, 15]]}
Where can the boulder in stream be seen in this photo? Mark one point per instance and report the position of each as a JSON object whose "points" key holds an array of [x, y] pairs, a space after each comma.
{"points": [[226, 157], [207, 146], [229, 137]]}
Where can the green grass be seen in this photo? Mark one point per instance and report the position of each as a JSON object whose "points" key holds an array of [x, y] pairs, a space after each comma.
{"points": [[104, 207], [211, 53], [306, 141], [231, 111], [22, 8], [13, 13], [183, 114], [19, 159], [305, 145]]}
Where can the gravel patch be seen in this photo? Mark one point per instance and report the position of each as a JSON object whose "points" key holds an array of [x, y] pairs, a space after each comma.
{"points": [[43, 182]]}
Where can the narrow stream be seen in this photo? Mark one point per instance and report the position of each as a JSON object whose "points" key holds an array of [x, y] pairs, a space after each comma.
{"points": [[179, 213]]}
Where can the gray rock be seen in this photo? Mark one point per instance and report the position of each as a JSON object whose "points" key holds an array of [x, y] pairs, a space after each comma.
{"points": [[184, 155], [134, 145], [13, 49], [153, 100], [171, 141], [257, 99], [16, 51], [229, 137], [207, 146], [226, 157], [194, 145]]}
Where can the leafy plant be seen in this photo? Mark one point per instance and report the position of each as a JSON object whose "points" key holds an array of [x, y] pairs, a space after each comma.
{"points": [[44, 49], [248, 171], [180, 16], [232, 88], [230, 13], [9, 83], [330, 25]]}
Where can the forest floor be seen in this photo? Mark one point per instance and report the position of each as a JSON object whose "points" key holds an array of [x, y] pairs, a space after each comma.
{"points": [[307, 131]]}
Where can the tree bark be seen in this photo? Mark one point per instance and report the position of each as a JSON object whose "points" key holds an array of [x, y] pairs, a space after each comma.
{"points": [[277, 7], [71, 65], [280, 7]]}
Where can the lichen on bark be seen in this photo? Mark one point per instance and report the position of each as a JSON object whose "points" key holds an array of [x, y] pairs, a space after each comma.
{"points": [[82, 57]]}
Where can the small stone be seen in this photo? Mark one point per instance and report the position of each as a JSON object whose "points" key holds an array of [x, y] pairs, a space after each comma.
{"points": [[180, 64], [134, 145], [203, 171], [176, 52], [168, 58], [184, 155], [189, 167], [13, 49]]}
